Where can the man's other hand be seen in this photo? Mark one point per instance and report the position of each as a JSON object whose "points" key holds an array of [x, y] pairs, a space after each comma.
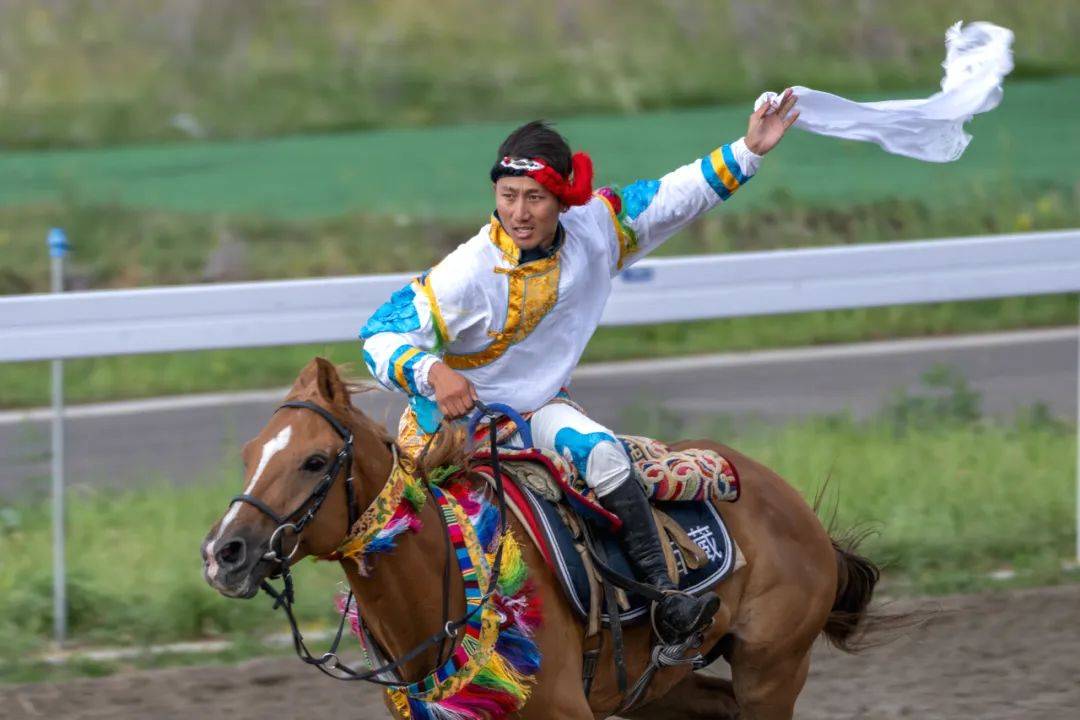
{"points": [[454, 394], [769, 123]]}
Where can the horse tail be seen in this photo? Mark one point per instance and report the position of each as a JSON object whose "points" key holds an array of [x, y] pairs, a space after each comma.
{"points": [[856, 577]]}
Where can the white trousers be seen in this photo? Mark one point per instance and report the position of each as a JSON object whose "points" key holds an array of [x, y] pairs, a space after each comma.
{"points": [[593, 449]]}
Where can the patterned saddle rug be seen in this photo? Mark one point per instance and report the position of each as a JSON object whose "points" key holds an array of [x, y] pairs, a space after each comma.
{"points": [[540, 485], [665, 474]]}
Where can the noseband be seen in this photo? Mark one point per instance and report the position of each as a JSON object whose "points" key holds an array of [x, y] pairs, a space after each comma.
{"points": [[314, 501]]}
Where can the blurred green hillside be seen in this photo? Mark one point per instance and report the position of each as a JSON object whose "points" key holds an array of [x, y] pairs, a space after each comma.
{"points": [[440, 173], [389, 200], [86, 72]]}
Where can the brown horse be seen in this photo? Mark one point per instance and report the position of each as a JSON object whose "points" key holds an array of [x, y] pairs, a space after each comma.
{"points": [[797, 583]]}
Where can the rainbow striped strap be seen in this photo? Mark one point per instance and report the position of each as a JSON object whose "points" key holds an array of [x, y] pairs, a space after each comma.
{"points": [[482, 629]]}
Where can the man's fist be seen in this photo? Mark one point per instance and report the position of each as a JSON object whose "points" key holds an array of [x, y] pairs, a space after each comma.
{"points": [[769, 123], [454, 394]]}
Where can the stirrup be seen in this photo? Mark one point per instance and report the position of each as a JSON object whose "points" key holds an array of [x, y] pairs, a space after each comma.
{"points": [[677, 642]]}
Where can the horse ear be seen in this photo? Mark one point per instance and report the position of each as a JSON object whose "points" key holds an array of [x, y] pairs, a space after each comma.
{"points": [[305, 380], [328, 383], [320, 379]]}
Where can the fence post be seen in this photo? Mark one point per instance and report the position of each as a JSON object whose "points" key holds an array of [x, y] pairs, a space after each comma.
{"points": [[58, 247]]}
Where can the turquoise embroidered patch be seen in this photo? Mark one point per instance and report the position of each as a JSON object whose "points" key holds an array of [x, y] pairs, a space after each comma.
{"points": [[371, 366], [427, 413], [580, 446], [637, 196], [398, 315]]}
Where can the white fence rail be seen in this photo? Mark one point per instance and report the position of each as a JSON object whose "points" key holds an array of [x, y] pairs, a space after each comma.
{"points": [[199, 317]]}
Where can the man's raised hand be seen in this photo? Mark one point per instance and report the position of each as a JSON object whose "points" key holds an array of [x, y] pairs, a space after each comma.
{"points": [[769, 123]]}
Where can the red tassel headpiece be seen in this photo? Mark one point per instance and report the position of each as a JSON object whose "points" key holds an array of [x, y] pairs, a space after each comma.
{"points": [[574, 191]]}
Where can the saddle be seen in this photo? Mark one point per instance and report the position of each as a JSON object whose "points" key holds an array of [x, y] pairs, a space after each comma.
{"points": [[577, 538], [551, 501]]}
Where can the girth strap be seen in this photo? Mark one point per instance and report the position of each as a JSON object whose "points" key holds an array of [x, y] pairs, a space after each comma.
{"points": [[612, 603]]}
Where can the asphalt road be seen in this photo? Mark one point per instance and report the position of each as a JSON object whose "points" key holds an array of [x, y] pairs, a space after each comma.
{"points": [[185, 439]]}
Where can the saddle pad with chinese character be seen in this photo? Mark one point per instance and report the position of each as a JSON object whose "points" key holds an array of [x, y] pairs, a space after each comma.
{"points": [[700, 520]]}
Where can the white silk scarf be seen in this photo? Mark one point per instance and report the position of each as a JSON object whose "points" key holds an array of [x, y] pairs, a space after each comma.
{"points": [[977, 57]]}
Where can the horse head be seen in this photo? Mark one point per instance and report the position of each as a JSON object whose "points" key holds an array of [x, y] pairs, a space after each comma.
{"points": [[316, 463]]}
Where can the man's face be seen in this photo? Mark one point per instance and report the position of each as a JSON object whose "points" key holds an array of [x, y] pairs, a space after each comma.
{"points": [[529, 212]]}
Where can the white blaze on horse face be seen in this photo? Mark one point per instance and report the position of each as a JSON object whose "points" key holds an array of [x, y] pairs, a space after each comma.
{"points": [[278, 443]]}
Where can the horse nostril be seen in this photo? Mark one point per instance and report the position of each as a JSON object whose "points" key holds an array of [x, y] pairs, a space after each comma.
{"points": [[232, 553]]}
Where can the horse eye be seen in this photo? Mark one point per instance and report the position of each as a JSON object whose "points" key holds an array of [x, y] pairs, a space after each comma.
{"points": [[314, 463]]}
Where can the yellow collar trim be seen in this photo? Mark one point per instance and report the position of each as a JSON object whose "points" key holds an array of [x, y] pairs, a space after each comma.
{"points": [[533, 291], [502, 240]]}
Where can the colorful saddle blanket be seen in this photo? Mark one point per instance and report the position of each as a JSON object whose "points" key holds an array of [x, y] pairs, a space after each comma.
{"points": [[665, 474], [700, 522], [690, 474]]}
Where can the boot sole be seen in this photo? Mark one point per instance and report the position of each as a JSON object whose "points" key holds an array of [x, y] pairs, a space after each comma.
{"points": [[700, 623], [705, 619]]}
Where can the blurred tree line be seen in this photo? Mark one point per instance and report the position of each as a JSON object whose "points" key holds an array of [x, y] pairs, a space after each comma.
{"points": [[98, 72]]}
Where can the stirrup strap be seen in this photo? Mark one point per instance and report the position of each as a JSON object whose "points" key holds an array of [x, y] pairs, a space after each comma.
{"points": [[647, 591], [662, 656]]}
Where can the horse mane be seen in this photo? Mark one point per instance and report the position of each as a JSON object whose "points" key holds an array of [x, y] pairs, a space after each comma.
{"points": [[358, 418], [445, 448]]}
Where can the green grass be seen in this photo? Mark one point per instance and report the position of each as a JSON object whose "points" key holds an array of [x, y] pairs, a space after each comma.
{"points": [[953, 496], [135, 573], [949, 505], [440, 172], [241, 648], [88, 73]]}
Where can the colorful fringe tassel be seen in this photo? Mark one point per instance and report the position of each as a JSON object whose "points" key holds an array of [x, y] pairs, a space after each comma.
{"points": [[492, 670], [394, 511], [404, 518]]}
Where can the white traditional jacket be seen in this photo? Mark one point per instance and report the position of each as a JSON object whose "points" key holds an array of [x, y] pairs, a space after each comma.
{"points": [[517, 330]]}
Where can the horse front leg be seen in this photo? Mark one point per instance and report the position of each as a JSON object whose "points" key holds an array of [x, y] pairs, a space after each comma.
{"points": [[558, 692], [697, 696]]}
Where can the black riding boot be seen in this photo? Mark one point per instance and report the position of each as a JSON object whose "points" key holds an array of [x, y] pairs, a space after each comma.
{"points": [[679, 614]]}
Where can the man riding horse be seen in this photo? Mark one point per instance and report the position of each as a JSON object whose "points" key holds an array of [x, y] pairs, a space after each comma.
{"points": [[506, 316]]}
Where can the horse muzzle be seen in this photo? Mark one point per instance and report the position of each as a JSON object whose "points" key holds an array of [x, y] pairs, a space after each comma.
{"points": [[235, 566]]}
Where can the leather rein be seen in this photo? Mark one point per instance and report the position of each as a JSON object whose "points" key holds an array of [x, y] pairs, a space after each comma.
{"points": [[329, 663]]}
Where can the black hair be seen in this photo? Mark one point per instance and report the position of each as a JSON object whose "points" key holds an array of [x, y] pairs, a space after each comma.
{"points": [[538, 139]]}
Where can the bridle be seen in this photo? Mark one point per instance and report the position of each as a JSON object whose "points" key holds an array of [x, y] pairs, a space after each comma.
{"points": [[314, 501], [329, 663]]}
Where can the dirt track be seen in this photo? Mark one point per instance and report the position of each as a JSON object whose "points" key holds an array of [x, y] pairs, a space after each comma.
{"points": [[993, 656]]}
